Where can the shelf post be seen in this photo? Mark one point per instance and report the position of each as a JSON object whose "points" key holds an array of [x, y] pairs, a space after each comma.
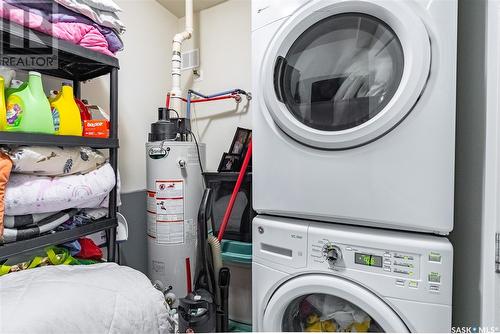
{"points": [[77, 89], [113, 157]]}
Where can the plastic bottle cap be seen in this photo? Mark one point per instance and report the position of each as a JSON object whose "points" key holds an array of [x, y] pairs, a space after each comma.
{"points": [[34, 73], [65, 84]]}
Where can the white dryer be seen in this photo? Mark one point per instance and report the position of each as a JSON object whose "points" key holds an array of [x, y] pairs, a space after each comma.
{"points": [[329, 277], [354, 113]]}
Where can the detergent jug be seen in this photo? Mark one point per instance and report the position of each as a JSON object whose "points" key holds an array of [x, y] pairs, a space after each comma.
{"points": [[66, 114], [3, 110], [28, 110]]}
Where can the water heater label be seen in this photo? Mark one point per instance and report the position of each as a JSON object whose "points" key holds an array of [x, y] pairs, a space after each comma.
{"points": [[169, 211], [151, 202]]}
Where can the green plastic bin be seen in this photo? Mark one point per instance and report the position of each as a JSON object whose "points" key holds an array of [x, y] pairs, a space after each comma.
{"points": [[237, 256]]}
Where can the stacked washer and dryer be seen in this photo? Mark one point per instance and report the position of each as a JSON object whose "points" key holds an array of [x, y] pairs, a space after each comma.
{"points": [[354, 140]]}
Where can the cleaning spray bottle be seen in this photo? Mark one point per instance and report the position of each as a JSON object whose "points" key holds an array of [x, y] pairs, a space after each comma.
{"points": [[28, 110], [65, 112], [3, 110]]}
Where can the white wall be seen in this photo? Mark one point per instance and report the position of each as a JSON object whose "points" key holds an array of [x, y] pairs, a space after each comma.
{"points": [[144, 79], [222, 33]]}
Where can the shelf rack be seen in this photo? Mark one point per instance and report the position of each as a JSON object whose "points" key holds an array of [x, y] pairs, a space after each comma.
{"points": [[77, 64]]}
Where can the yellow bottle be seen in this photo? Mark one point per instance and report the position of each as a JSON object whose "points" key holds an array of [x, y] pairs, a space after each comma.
{"points": [[65, 112], [3, 110]]}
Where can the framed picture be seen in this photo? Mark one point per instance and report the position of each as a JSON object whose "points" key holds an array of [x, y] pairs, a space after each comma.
{"points": [[240, 141], [229, 163]]}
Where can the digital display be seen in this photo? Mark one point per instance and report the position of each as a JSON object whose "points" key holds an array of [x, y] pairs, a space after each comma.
{"points": [[368, 260]]}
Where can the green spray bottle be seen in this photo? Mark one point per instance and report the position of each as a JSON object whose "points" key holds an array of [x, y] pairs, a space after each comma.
{"points": [[28, 109]]}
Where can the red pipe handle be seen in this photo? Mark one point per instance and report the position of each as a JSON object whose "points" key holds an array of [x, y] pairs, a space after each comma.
{"points": [[236, 189]]}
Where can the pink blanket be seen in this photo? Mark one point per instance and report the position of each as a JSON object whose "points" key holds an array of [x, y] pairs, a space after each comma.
{"points": [[77, 33]]}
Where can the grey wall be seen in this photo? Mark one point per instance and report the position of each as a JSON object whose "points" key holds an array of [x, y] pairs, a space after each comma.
{"points": [[133, 252], [470, 148]]}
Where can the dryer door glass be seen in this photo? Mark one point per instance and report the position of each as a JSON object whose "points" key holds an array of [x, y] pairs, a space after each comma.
{"points": [[326, 313], [340, 72]]}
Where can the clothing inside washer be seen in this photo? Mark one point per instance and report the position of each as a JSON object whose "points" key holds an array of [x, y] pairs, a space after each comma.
{"points": [[326, 313]]}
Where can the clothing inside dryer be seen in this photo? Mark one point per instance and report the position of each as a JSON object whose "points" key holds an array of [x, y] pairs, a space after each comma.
{"points": [[340, 72], [326, 313]]}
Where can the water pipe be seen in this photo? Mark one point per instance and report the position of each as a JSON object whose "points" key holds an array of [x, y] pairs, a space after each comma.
{"points": [[179, 38], [229, 94], [237, 186]]}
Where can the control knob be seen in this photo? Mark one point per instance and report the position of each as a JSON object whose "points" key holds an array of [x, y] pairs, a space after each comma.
{"points": [[332, 253]]}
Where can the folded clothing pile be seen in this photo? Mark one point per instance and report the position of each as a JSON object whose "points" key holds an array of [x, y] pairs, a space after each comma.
{"points": [[51, 186], [93, 24]]}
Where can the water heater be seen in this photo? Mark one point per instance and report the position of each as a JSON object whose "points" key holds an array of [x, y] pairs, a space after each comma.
{"points": [[174, 191]]}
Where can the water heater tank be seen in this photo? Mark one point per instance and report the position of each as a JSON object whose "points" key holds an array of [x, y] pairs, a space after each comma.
{"points": [[174, 191]]}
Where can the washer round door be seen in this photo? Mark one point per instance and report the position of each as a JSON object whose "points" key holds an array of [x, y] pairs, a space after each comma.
{"points": [[340, 74], [324, 303]]}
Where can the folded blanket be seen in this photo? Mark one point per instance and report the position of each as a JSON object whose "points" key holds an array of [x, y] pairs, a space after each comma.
{"points": [[45, 225], [28, 194], [78, 33], [25, 220], [54, 161], [55, 13], [103, 17], [5, 168]]}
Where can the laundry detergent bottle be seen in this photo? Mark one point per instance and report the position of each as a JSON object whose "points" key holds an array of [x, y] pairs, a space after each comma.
{"points": [[65, 112], [28, 109], [3, 109]]}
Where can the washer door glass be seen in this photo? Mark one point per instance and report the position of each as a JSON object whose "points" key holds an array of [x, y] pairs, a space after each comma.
{"points": [[340, 72], [317, 302], [320, 312]]}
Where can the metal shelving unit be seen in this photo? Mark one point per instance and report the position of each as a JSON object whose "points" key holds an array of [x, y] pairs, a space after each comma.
{"points": [[77, 64]]}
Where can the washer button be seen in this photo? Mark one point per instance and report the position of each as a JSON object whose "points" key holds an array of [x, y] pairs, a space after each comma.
{"points": [[435, 257], [400, 282], [434, 277], [413, 284], [434, 288], [387, 268]]}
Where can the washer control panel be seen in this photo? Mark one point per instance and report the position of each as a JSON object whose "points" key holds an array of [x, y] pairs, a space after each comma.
{"points": [[386, 261]]}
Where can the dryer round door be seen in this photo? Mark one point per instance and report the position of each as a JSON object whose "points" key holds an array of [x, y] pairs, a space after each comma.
{"points": [[340, 74], [328, 303]]}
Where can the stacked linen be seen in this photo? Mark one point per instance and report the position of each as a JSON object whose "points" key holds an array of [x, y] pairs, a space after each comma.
{"points": [[72, 178], [93, 28]]}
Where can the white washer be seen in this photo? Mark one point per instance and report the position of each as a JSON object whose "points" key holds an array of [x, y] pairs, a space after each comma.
{"points": [[354, 113], [399, 281]]}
